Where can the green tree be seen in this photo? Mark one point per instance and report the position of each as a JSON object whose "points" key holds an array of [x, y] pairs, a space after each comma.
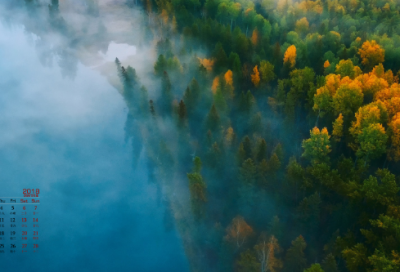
{"points": [[329, 264], [295, 260], [220, 57], [161, 65], [197, 165], [295, 174], [372, 141], [274, 164], [380, 262], [279, 151], [247, 262], [197, 187], [213, 119], [314, 268], [317, 147], [261, 151], [347, 99], [248, 172], [322, 102], [355, 258], [166, 93], [247, 146], [381, 189], [182, 113], [262, 173], [267, 71], [346, 68], [235, 64]]}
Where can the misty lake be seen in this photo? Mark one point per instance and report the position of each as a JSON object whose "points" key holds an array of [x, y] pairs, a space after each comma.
{"points": [[65, 135]]}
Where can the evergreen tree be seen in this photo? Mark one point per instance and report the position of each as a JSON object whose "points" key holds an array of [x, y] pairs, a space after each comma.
{"points": [[213, 119], [166, 93], [247, 146], [182, 113], [329, 264], [261, 151], [295, 260], [248, 172]]}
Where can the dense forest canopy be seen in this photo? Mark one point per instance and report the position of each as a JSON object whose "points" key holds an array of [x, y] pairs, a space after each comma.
{"points": [[281, 119], [290, 115]]}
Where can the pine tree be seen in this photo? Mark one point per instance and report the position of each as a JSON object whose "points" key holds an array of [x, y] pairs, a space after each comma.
{"points": [[261, 151], [295, 260], [279, 152], [274, 164], [247, 146], [213, 119], [262, 173], [220, 57], [152, 111], [329, 264], [182, 113], [161, 65], [248, 172], [166, 93], [241, 154]]}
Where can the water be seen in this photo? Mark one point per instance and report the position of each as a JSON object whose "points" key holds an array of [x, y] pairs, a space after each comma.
{"points": [[66, 136]]}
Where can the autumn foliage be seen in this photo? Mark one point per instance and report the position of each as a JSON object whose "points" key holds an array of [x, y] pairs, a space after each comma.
{"points": [[215, 85], [207, 63], [290, 56], [238, 231], [255, 76], [371, 53]]}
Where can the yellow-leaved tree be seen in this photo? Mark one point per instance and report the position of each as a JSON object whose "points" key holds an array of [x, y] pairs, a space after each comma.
{"points": [[302, 25], [337, 132], [290, 56], [371, 54]]}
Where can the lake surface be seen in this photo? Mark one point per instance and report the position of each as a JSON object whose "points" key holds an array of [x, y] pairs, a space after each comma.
{"points": [[66, 136]]}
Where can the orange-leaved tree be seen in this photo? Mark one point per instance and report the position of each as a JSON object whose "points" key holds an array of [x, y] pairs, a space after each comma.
{"points": [[207, 63], [255, 76], [228, 88], [371, 54], [254, 37], [290, 56], [215, 85], [266, 251], [238, 231]]}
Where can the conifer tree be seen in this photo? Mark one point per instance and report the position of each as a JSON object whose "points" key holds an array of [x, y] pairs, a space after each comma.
{"points": [[182, 113], [166, 93], [213, 119], [295, 260]]}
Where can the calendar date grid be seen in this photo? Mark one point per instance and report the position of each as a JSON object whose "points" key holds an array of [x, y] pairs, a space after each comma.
{"points": [[19, 223]]}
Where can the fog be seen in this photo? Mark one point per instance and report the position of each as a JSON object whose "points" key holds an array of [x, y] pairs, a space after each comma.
{"points": [[63, 131]]}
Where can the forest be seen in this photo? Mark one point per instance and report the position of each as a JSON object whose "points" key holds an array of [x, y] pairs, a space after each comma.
{"points": [[279, 121]]}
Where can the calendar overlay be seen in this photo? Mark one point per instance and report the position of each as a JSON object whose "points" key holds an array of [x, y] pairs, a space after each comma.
{"points": [[19, 222]]}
